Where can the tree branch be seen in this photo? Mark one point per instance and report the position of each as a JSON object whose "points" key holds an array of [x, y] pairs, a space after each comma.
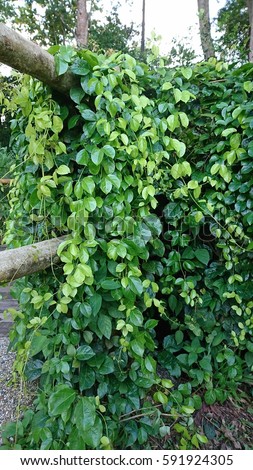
{"points": [[5, 181], [27, 57], [20, 262]]}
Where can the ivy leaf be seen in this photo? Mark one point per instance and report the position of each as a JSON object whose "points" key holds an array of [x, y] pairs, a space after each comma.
{"points": [[178, 146], [77, 94], [75, 440], [60, 65], [150, 364], [228, 131], [187, 72], [87, 377], [105, 325], [57, 124], [210, 397], [82, 157], [88, 115], [114, 180], [90, 203], [177, 95], [85, 414], [137, 347], [184, 119], [61, 400], [107, 367], [63, 170], [167, 86], [95, 303], [110, 284], [248, 86], [97, 156], [72, 122], [37, 344], [106, 185], [205, 364], [88, 184], [202, 255], [176, 171], [109, 151], [84, 353], [93, 435], [135, 285]]}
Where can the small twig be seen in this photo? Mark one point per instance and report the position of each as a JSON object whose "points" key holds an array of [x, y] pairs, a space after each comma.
{"points": [[134, 411], [218, 80], [135, 416]]}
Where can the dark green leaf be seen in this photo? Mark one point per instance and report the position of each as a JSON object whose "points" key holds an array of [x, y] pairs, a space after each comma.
{"points": [[110, 284], [84, 353], [77, 94], [202, 255], [86, 378], [93, 435], [95, 302], [61, 400], [88, 115], [107, 367], [105, 325], [85, 414], [135, 285]]}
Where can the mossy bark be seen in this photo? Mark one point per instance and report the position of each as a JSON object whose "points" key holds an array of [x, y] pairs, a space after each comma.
{"points": [[27, 57], [20, 262]]}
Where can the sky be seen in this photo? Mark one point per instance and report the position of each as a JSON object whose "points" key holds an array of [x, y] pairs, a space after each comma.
{"points": [[169, 18]]}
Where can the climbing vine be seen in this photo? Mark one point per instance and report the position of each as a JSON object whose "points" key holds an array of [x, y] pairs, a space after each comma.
{"points": [[147, 170]]}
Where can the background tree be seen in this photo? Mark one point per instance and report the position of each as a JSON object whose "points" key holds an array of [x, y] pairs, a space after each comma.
{"points": [[7, 10], [205, 29], [250, 12], [51, 22], [47, 21], [82, 23], [234, 31], [111, 33]]}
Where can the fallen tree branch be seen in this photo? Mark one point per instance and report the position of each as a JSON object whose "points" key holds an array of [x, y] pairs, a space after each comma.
{"points": [[27, 57], [5, 181], [20, 262]]}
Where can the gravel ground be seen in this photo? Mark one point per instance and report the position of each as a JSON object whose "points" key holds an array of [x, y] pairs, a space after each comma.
{"points": [[12, 397]]}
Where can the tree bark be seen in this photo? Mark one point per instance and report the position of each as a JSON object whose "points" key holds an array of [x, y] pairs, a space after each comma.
{"points": [[5, 181], [20, 262], [27, 57], [82, 24], [205, 29], [250, 9]]}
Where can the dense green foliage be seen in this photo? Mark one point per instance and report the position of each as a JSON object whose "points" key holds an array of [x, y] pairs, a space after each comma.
{"points": [[6, 155], [5, 161], [149, 314]]}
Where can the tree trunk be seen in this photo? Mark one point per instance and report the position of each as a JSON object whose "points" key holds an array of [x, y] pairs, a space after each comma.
{"points": [[27, 57], [143, 26], [250, 9], [82, 24], [20, 262], [205, 29]]}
